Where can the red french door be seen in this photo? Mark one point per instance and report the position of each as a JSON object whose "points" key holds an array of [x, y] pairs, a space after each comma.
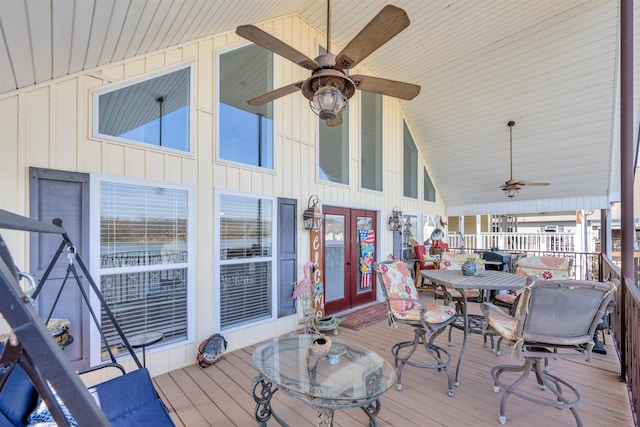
{"points": [[349, 248]]}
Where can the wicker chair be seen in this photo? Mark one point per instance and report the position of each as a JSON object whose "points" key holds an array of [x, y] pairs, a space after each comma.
{"points": [[552, 318], [428, 320]]}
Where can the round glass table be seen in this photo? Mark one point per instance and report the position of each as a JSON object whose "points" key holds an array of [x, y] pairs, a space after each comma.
{"points": [[341, 375]]}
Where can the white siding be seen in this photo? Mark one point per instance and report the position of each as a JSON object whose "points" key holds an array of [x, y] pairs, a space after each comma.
{"points": [[49, 126]]}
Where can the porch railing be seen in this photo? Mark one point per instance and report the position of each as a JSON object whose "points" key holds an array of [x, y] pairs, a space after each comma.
{"points": [[625, 322], [554, 242], [583, 265]]}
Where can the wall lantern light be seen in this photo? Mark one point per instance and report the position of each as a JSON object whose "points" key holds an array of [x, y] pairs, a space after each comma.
{"points": [[312, 215], [395, 220]]}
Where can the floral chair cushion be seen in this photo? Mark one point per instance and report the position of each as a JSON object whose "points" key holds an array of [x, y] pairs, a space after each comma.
{"points": [[455, 294], [543, 267], [398, 283], [434, 314], [453, 261], [505, 326], [507, 298]]}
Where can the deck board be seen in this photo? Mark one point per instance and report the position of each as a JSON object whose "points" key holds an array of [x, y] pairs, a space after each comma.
{"points": [[221, 394]]}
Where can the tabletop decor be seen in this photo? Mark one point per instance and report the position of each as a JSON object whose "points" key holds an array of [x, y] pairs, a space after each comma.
{"points": [[318, 349]]}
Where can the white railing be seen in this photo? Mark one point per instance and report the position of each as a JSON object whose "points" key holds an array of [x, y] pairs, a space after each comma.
{"points": [[556, 242]]}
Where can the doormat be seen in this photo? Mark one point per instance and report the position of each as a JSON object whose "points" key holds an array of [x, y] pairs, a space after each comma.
{"points": [[364, 317]]}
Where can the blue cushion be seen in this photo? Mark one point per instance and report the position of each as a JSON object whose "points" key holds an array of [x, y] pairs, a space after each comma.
{"points": [[152, 413], [17, 398], [130, 399]]}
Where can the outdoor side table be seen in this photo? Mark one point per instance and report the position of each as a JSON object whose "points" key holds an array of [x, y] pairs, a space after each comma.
{"points": [[143, 340], [351, 376]]}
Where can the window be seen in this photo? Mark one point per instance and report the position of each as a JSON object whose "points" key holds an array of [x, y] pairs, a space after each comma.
{"points": [[409, 163], [371, 141], [334, 150], [145, 260], [409, 233], [333, 147], [245, 132], [245, 257], [155, 111], [429, 189]]}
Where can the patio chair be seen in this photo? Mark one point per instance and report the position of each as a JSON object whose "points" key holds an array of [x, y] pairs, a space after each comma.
{"points": [[420, 264], [542, 268], [427, 320], [552, 318]]}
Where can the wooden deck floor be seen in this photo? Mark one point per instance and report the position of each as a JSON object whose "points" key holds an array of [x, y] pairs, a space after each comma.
{"points": [[221, 394]]}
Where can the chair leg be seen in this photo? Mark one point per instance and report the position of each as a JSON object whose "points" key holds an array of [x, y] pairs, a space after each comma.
{"points": [[545, 380], [441, 357]]}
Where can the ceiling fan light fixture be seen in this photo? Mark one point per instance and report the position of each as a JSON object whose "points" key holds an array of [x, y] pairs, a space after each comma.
{"points": [[328, 102], [511, 192]]}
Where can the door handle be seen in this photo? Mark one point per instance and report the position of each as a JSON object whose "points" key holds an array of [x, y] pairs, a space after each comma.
{"points": [[348, 262]]}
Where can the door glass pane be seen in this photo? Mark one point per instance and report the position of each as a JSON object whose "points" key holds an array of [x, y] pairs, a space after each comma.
{"points": [[334, 257], [409, 233], [366, 253]]}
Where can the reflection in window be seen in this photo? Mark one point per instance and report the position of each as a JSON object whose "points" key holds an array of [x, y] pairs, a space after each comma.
{"points": [[429, 189], [409, 233], [410, 163], [333, 147], [246, 259], [334, 150], [144, 260], [371, 141], [155, 111], [245, 131]]}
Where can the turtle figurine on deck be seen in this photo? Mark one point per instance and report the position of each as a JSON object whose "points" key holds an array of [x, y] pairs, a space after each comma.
{"points": [[211, 350]]}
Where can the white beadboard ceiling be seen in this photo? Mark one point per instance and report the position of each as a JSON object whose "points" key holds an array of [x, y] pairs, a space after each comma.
{"points": [[551, 66]]}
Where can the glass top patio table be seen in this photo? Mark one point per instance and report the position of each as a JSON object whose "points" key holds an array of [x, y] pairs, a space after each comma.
{"points": [[349, 376]]}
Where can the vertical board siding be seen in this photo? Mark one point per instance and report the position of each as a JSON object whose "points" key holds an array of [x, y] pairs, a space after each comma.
{"points": [[50, 126]]}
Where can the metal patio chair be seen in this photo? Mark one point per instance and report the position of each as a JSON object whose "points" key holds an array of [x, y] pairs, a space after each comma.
{"points": [[428, 320], [553, 318]]}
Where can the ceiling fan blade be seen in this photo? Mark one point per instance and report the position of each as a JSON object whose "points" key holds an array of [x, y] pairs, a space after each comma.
{"points": [[275, 45], [532, 183], [386, 87], [275, 94], [335, 122], [382, 28]]}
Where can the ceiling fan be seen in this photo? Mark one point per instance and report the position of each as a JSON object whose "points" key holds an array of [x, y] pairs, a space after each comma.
{"points": [[512, 187], [329, 88]]}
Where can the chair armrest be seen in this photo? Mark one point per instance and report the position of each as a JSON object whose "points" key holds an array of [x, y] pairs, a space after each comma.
{"points": [[488, 307]]}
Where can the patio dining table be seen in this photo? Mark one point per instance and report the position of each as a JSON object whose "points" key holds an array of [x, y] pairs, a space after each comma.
{"points": [[486, 281]]}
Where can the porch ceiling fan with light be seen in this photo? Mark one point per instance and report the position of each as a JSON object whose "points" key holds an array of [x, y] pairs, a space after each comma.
{"points": [[329, 87], [512, 187]]}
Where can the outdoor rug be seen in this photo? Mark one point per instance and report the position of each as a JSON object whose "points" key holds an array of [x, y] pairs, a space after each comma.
{"points": [[364, 317]]}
